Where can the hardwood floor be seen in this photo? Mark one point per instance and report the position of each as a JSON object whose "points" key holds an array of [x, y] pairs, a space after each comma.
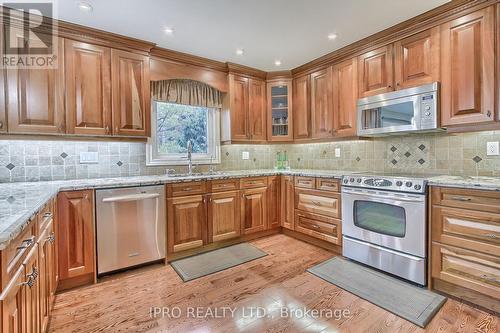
{"points": [[123, 302]]}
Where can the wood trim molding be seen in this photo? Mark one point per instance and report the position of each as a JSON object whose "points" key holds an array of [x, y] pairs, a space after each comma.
{"points": [[189, 59], [246, 71], [404, 29], [279, 75]]}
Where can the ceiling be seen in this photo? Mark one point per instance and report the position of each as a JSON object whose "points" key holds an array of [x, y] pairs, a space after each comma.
{"points": [[292, 31]]}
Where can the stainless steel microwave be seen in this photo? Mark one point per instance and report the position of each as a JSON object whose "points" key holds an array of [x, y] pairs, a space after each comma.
{"points": [[398, 112]]}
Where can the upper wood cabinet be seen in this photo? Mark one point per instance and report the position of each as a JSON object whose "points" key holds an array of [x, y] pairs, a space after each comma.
{"points": [[321, 104], [76, 238], [186, 222], [417, 59], [254, 210], [279, 111], [247, 105], [257, 110], [131, 96], [224, 216], [301, 108], [345, 95], [36, 97], [375, 72], [468, 62], [274, 208], [88, 88]]}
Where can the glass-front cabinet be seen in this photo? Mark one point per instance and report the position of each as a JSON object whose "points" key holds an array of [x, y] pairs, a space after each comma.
{"points": [[279, 109]]}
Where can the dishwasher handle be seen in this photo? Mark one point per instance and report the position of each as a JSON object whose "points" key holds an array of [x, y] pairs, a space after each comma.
{"points": [[132, 197]]}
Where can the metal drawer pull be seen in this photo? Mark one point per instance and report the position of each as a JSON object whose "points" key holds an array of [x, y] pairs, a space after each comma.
{"points": [[48, 214], [490, 279], [27, 243], [315, 226], [51, 238], [188, 189], [132, 197], [493, 236], [317, 203], [462, 198], [30, 282]]}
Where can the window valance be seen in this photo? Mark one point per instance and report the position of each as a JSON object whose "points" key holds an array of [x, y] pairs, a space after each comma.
{"points": [[187, 92]]}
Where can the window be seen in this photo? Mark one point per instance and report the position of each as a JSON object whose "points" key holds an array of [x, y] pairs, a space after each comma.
{"points": [[173, 125]]}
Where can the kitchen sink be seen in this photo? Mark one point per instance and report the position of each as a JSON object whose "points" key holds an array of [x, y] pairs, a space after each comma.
{"points": [[195, 174]]}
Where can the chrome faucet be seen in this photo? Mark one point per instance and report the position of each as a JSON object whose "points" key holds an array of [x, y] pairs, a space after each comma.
{"points": [[189, 157]]}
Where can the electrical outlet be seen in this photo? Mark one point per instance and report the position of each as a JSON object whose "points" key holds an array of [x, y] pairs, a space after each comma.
{"points": [[492, 148], [337, 152], [91, 157], [245, 155]]}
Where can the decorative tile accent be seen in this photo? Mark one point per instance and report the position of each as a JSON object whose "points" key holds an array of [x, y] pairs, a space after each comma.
{"points": [[11, 199], [227, 153], [63, 155], [393, 149], [358, 159], [421, 161], [394, 162], [10, 166], [477, 159], [119, 163], [407, 154], [422, 147]]}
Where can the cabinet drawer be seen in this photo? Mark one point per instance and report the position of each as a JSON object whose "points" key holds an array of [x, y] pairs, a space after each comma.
{"points": [[18, 248], [305, 182], [318, 226], [468, 269], [45, 215], [220, 185], [318, 202], [474, 230], [325, 184], [182, 189], [253, 182], [486, 201]]}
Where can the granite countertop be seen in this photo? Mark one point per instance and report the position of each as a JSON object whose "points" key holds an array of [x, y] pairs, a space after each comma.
{"points": [[20, 201]]}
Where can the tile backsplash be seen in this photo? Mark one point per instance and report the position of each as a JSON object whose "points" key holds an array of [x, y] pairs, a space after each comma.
{"points": [[460, 154]]}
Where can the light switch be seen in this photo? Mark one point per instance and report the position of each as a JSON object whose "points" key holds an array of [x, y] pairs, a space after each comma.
{"points": [[337, 152], [245, 155], [91, 157]]}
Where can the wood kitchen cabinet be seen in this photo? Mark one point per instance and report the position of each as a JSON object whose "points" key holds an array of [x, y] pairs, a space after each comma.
{"points": [[88, 88], [35, 97], [186, 222], [274, 201], [287, 202], [468, 60], [279, 111], [345, 96], [417, 59], [321, 104], [32, 292], [257, 110], [47, 273], [224, 216], [301, 108], [375, 75], [131, 103], [13, 305], [254, 210], [76, 238]]}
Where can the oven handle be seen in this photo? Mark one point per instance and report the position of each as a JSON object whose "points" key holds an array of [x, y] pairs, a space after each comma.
{"points": [[132, 197], [384, 249], [393, 197]]}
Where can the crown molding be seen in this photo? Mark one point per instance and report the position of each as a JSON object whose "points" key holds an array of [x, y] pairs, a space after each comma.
{"points": [[279, 75], [245, 70], [186, 58]]}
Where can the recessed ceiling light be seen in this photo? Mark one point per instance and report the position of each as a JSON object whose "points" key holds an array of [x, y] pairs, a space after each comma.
{"points": [[277, 62], [240, 51], [169, 30], [85, 6], [332, 36]]}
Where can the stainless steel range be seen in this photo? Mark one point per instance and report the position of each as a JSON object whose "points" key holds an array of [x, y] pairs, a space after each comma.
{"points": [[384, 223]]}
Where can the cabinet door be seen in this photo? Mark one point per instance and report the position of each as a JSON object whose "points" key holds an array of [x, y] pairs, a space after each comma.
{"points": [[13, 305], [88, 88], [224, 216], [279, 111], [44, 278], [32, 292], [3, 80], [321, 104], [257, 110], [345, 95], [468, 87], [186, 223], [287, 202], [417, 59], [238, 104], [131, 96], [254, 210], [35, 98], [274, 202], [76, 240], [375, 72], [301, 108]]}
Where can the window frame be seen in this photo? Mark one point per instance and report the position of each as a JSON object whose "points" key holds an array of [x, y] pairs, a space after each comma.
{"points": [[213, 144]]}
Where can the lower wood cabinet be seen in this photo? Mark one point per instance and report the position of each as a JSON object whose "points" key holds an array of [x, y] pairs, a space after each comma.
{"points": [[32, 295], [76, 238], [318, 226], [13, 306], [274, 200], [224, 216], [287, 202], [186, 222], [254, 210], [47, 275]]}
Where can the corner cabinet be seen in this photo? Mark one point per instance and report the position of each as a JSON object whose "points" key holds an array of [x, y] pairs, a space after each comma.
{"points": [[131, 96], [468, 60], [279, 111]]}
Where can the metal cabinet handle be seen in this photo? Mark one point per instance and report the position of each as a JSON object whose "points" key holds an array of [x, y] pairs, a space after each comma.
{"points": [[1, 124], [488, 113], [47, 215], [30, 282], [187, 189], [27, 243], [107, 129], [316, 203], [461, 198], [493, 236], [51, 238], [315, 226], [491, 279]]}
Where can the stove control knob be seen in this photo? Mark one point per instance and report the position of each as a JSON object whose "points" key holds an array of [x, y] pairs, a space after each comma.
{"points": [[417, 187], [409, 184], [351, 180], [346, 181], [399, 183], [358, 180]]}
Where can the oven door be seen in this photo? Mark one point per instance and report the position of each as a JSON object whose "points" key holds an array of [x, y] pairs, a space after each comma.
{"points": [[389, 219], [391, 116]]}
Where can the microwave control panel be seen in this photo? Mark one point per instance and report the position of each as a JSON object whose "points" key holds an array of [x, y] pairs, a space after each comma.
{"points": [[428, 110]]}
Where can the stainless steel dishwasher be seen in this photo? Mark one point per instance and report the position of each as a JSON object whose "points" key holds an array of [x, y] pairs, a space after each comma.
{"points": [[131, 227]]}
